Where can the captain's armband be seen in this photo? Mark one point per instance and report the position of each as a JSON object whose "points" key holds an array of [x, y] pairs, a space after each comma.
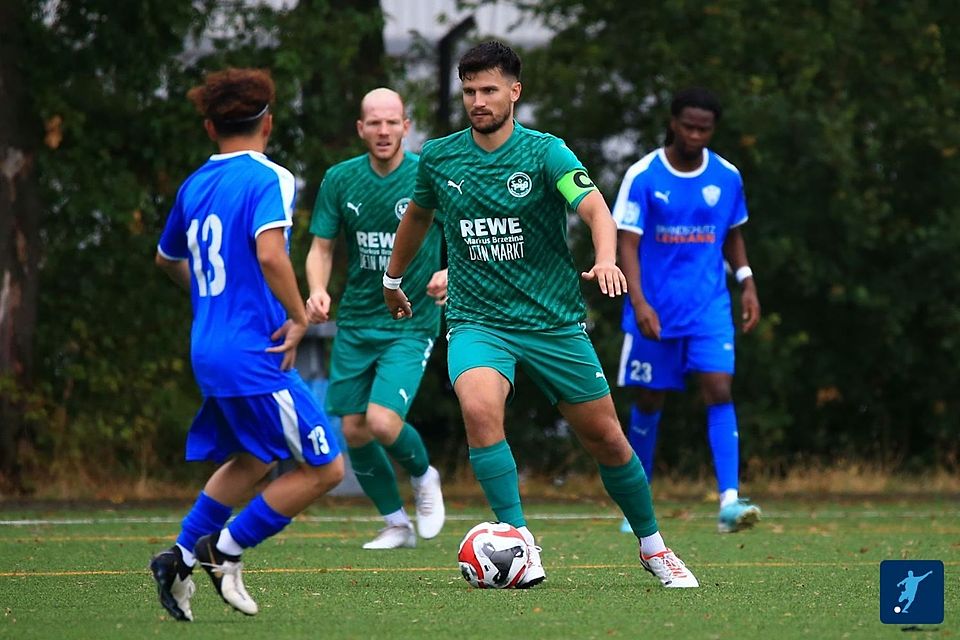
{"points": [[574, 185]]}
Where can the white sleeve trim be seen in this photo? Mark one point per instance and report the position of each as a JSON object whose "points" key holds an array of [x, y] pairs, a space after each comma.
{"points": [[278, 224], [737, 224], [629, 228], [168, 256]]}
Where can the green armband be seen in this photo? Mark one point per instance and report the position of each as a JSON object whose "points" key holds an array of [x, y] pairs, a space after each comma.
{"points": [[574, 185]]}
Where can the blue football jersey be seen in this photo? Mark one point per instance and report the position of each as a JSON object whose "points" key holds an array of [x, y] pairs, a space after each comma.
{"points": [[218, 214], [683, 219]]}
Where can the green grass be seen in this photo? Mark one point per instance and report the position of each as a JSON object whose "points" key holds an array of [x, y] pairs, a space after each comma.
{"points": [[808, 571]]}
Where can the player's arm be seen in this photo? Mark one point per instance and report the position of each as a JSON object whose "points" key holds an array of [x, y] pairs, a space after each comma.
{"points": [[647, 319], [177, 270], [410, 234], [318, 267], [735, 251], [278, 272], [437, 287], [593, 210]]}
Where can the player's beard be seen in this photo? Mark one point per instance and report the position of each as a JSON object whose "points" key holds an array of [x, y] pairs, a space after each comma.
{"points": [[493, 126], [689, 153]]}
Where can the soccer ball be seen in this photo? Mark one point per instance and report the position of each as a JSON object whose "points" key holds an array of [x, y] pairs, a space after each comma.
{"points": [[493, 555]]}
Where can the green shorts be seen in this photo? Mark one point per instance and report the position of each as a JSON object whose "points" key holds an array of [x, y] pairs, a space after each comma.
{"points": [[562, 361], [374, 365]]}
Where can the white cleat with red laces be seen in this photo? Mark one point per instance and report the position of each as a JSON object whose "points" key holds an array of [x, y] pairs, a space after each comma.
{"points": [[669, 569]]}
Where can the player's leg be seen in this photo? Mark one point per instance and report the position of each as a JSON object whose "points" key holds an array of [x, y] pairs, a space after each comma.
{"points": [[565, 366], [353, 369], [230, 485], [284, 424], [374, 472], [399, 372], [596, 425], [713, 358], [649, 368], [481, 366]]}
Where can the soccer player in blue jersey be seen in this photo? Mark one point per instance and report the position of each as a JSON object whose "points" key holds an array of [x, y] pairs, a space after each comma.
{"points": [[679, 213], [226, 242]]}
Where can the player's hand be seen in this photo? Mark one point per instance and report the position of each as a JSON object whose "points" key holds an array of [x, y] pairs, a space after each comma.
{"points": [[318, 307], [437, 287], [611, 280], [750, 304], [397, 303], [292, 333], [647, 321]]}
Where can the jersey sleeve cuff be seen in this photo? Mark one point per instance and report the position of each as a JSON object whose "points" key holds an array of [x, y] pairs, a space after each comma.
{"points": [[739, 222], [167, 256], [629, 227], [279, 224]]}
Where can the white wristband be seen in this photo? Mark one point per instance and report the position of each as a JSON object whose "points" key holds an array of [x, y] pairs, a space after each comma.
{"points": [[391, 283], [742, 274]]}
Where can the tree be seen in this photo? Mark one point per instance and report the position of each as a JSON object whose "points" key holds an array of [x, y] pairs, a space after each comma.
{"points": [[112, 376], [840, 116], [19, 238]]}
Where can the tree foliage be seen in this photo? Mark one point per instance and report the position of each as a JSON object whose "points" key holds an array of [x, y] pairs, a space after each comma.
{"points": [[109, 80], [840, 115], [841, 118]]}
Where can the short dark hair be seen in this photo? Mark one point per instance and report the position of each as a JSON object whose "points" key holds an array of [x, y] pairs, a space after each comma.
{"points": [[697, 98], [235, 100], [487, 56]]}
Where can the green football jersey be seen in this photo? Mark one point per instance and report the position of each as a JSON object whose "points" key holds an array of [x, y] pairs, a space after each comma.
{"points": [[505, 224], [368, 208]]}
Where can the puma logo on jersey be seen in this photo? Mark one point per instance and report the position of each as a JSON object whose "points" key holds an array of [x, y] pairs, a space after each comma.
{"points": [[355, 207], [662, 195], [599, 374], [457, 186], [403, 394]]}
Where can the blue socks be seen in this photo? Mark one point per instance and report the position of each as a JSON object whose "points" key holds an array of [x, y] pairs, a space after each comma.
{"points": [[725, 444], [257, 522], [205, 517], [642, 436]]}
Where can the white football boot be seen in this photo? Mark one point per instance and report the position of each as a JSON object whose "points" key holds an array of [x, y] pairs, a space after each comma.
{"points": [[429, 498], [669, 569], [400, 536], [535, 573]]}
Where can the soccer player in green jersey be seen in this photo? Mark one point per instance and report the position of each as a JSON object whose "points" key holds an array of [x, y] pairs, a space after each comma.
{"points": [[515, 296], [376, 365]]}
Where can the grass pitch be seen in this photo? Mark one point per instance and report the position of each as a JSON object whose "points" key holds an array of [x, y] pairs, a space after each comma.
{"points": [[807, 571]]}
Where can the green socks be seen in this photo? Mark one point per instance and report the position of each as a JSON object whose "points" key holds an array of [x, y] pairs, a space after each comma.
{"points": [[375, 474], [628, 487], [409, 452], [496, 470]]}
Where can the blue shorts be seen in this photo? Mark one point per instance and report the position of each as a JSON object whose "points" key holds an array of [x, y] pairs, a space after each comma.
{"points": [[272, 426], [663, 365]]}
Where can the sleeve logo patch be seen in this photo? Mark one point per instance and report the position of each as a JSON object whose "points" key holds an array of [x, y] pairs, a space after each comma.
{"points": [[400, 207]]}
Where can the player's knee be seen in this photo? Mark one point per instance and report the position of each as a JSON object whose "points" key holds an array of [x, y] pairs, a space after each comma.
{"points": [[324, 478], [607, 444], [356, 433], [717, 394], [383, 424]]}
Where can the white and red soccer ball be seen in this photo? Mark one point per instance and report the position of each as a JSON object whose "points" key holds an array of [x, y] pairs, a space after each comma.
{"points": [[493, 555]]}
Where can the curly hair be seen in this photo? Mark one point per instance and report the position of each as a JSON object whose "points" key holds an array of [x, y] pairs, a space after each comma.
{"points": [[235, 100]]}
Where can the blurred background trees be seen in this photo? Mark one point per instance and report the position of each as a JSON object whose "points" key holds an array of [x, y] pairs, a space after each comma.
{"points": [[840, 116]]}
